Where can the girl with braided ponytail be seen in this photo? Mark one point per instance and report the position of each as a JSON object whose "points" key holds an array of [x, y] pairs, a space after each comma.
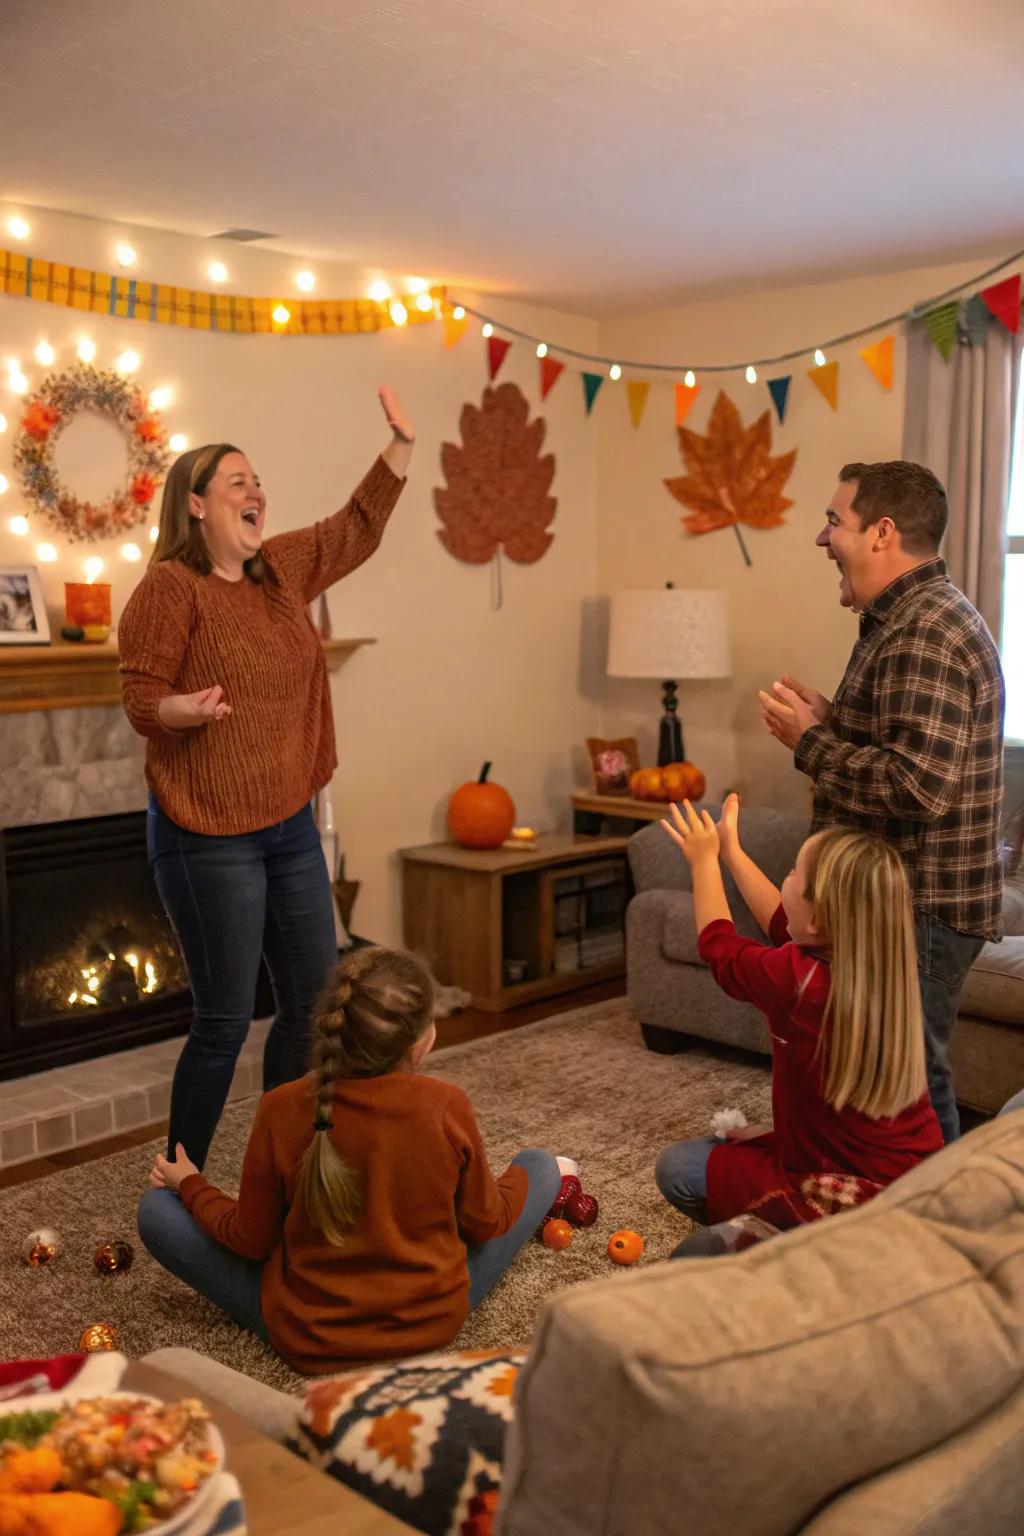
{"points": [[367, 1222]]}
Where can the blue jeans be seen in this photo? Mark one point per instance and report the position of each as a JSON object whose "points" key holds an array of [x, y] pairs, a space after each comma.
{"points": [[230, 901], [944, 957], [681, 1173], [233, 1283]]}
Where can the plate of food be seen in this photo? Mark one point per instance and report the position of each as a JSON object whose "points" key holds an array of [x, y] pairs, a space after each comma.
{"points": [[105, 1465]]}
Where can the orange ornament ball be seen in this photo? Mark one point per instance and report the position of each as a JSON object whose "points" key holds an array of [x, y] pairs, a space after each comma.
{"points": [[481, 814], [556, 1233], [625, 1247]]}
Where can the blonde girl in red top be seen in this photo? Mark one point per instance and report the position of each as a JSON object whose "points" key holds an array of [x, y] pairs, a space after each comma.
{"points": [[225, 676], [368, 1222], [837, 983]]}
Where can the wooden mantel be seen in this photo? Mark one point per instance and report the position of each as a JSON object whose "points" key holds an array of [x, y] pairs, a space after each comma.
{"points": [[69, 676]]}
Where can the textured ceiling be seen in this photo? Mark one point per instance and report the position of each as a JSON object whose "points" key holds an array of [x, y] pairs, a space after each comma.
{"points": [[584, 152]]}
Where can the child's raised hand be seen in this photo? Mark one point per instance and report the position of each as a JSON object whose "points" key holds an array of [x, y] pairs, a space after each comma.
{"points": [[729, 826], [696, 835]]}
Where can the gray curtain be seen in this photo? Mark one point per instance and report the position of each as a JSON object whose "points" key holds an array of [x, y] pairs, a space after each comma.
{"points": [[959, 421]]}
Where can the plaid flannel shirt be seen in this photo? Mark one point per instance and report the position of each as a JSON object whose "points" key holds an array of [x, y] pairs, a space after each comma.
{"points": [[914, 748]]}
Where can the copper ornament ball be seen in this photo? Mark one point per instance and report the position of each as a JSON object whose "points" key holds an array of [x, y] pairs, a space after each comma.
{"points": [[40, 1248], [114, 1257], [98, 1337]]}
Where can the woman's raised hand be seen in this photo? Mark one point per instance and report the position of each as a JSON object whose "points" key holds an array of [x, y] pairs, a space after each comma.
{"points": [[397, 419], [185, 711]]}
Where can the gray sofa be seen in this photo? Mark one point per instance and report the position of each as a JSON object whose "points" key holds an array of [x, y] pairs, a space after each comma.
{"points": [[863, 1374], [673, 995]]}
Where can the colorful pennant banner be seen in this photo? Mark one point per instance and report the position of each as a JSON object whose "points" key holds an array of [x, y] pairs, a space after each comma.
{"points": [[878, 358], [686, 394], [826, 379], [550, 369], [637, 391], [497, 351], [591, 384], [779, 391], [1003, 299]]}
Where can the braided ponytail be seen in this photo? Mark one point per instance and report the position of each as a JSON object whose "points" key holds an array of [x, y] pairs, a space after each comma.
{"points": [[378, 1003]]}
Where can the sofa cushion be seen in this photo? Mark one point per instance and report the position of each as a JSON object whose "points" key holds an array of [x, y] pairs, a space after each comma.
{"points": [[972, 1483], [421, 1439], [995, 983], [745, 1392]]}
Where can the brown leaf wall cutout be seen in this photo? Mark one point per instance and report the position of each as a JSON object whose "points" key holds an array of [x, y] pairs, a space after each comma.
{"points": [[732, 477], [497, 482]]}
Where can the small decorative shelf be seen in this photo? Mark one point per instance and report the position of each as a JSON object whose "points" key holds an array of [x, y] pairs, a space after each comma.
{"points": [[82, 676]]}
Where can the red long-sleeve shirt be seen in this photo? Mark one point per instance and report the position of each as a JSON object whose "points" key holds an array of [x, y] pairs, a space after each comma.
{"points": [[817, 1159], [399, 1285]]}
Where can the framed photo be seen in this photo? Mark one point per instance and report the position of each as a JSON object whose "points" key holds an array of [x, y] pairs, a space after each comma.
{"points": [[23, 618], [611, 763]]}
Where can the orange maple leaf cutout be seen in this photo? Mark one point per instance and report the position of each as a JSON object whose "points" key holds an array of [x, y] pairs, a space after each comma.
{"points": [[392, 1437], [732, 477]]}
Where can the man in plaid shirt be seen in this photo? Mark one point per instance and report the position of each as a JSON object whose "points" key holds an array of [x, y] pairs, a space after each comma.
{"points": [[911, 747]]}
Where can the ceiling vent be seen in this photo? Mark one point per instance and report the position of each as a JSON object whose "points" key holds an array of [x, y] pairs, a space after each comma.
{"points": [[242, 236]]}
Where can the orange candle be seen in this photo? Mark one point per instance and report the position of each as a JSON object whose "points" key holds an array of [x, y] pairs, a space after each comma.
{"points": [[87, 605]]}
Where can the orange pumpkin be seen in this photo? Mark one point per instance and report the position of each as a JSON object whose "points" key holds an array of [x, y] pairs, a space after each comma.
{"points": [[682, 781], [556, 1233], [645, 784], [625, 1247], [481, 814]]}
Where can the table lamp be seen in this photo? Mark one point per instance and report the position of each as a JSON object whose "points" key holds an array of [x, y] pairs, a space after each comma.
{"points": [[672, 633]]}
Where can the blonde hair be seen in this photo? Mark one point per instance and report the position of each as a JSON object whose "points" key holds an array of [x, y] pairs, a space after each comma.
{"points": [[376, 1006], [180, 535], [874, 1027]]}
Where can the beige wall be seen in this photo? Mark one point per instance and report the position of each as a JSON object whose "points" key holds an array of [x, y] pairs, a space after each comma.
{"points": [[450, 680], [785, 614]]}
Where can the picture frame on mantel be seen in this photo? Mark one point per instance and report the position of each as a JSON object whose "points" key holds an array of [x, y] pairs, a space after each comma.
{"points": [[23, 619]]}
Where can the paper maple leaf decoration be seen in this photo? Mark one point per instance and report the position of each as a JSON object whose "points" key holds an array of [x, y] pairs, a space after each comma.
{"points": [[732, 477], [498, 482]]}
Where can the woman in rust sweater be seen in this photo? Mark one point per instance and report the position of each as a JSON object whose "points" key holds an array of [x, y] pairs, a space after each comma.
{"points": [[367, 1222], [224, 674]]}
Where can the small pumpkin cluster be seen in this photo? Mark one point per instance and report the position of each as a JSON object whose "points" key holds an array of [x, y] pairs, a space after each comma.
{"points": [[674, 782]]}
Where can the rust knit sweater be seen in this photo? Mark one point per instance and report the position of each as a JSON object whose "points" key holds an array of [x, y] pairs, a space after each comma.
{"points": [[182, 632], [399, 1285]]}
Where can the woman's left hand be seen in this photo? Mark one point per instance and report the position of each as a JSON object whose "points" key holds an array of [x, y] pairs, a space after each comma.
{"points": [[696, 835], [397, 419], [169, 1175]]}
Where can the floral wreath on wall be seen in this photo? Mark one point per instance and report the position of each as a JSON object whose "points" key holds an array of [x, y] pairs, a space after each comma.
{"points": [[53, 407]]}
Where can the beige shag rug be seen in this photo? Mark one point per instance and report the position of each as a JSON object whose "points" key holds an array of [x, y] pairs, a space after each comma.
{"points": [[580, 1084]]}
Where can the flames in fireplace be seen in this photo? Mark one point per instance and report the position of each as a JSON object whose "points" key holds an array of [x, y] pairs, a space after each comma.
{"points": [[113, 979]]}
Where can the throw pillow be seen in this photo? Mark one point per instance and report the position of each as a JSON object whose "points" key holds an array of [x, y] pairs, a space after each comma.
{"points": [[423, 1439]]}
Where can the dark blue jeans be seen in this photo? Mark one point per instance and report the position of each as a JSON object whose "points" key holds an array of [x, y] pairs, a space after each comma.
{"points": [[944, 957], [178, 1243], [230, 901]]}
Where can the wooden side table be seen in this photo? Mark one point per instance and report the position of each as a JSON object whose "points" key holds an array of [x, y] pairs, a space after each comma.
{"points": [[594, 814], [469, 913]]}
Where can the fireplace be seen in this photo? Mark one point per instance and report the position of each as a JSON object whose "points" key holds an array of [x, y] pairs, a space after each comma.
{"points": [[88, 960]]}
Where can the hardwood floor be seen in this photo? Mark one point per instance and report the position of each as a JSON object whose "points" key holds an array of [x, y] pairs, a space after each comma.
{"points": [[470, 1024]]}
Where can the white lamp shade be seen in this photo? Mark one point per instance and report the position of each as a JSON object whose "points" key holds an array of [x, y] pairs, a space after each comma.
{"points": [[669, 633]]}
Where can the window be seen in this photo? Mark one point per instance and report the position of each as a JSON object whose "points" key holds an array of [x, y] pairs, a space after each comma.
{"points": [[1013, 592]]}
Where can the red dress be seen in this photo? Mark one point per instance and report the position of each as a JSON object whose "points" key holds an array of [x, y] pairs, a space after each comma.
{"points": [[817, 1159]]}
